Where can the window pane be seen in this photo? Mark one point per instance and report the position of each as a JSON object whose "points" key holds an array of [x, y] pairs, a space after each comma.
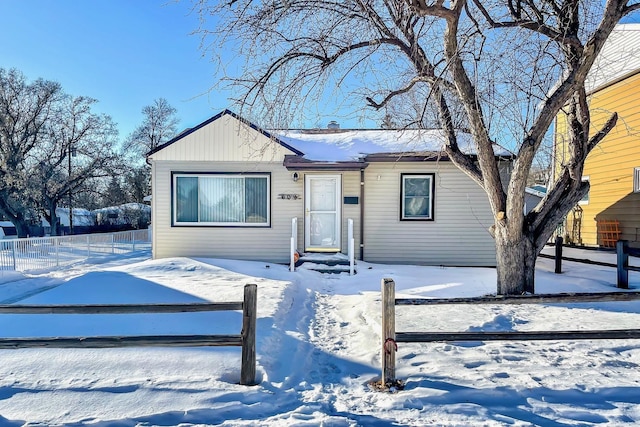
{"points": [[221, 199], [187, 199], [417, 197], [323, 229], [255, 200], [416, 207], [323, 194], [417, 186]]}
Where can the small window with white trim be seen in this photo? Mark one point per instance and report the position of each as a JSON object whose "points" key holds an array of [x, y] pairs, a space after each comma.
{"points": [[416, 201], [636, 180], [585, 198], [221, 199]]}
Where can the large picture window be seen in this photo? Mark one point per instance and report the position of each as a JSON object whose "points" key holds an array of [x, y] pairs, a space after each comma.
{"points": [[416, 197], [221, 199]]}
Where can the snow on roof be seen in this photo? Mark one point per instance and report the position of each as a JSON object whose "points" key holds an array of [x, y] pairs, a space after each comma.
{"points": [[130, 206], [81, 217], [619, 57], [536, 190], [349, 145]]}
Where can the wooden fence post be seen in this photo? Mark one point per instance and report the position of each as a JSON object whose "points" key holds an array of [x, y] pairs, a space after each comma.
{"points": [[249, 308], [388, 332], [558, 255], [622, 250]]}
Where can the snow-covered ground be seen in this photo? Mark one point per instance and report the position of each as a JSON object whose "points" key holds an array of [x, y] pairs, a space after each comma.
{"points": [[318, 346]]}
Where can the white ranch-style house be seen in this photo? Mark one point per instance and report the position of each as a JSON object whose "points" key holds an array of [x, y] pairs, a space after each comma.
{"points": [[228, 189]]}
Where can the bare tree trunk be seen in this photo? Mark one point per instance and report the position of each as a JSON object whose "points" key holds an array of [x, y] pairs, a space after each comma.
{"points": [[22, 229], [16, 218], [456, 59], [516, 269], [53, 219]]}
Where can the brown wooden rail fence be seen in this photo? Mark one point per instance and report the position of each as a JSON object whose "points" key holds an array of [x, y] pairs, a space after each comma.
{"points": [[622, 261], [390, 337], [245, 339]]}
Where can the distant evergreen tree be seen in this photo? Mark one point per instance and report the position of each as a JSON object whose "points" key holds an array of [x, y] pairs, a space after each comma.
{"points": [[137, 183], [114, 194]]}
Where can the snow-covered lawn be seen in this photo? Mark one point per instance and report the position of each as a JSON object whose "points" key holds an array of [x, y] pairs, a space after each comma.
{"points": [[318, 346]]}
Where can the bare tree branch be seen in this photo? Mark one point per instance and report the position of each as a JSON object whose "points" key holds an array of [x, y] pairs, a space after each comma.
{"points": [[503, 69], [604, 131]]}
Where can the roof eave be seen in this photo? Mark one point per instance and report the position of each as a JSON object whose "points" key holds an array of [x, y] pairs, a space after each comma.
{"points": [[298, 163], [432, 156]]}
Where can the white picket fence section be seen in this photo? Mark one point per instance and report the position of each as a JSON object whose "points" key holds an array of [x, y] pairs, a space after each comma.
{"points": [[38, 253]]}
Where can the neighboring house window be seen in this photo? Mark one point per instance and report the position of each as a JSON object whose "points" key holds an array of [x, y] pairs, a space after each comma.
{"points": [[636, 180], [416, 197], [221, 199], [585, 198]]}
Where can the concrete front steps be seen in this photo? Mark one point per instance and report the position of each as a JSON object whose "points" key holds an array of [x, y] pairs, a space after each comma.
{"points": [[330, 263]]}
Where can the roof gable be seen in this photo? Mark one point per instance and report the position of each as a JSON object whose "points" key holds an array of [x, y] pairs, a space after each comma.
{"points": [[224, 137]]}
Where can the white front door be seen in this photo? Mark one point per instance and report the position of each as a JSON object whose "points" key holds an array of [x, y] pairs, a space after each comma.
{"points": [[322, 213]]}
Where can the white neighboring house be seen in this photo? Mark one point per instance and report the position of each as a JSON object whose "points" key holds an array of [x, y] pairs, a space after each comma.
{"points": [[533, 196], [228, 189], [134, 214], [7, 230], [81, 218]]}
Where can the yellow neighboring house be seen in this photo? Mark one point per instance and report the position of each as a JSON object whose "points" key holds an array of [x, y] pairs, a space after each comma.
{"points": [[611, 210]]}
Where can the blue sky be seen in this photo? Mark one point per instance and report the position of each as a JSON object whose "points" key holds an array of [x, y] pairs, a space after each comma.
{"points": [[124, 53]]}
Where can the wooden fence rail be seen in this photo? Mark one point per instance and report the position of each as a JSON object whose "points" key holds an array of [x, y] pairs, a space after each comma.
{"points": [[622, 261], [390, 337], [245, 339]]}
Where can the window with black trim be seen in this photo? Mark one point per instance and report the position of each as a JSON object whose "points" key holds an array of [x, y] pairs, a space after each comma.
{"points": [[416, 201], [221, 199]]}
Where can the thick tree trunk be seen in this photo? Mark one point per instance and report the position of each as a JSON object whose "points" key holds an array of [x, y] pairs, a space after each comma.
{"points": [[22, 229], [516, 262], [17, 219], [53, 219]]}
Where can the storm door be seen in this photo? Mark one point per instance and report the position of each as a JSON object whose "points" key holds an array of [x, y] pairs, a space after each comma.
{"points": [[322, 213]]}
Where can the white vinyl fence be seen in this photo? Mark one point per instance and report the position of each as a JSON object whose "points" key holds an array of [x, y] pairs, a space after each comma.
{"points": [[38, 253]]}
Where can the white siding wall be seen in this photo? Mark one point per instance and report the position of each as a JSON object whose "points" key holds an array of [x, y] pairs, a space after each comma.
{"points": [[248, 243], [458, 235]]}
